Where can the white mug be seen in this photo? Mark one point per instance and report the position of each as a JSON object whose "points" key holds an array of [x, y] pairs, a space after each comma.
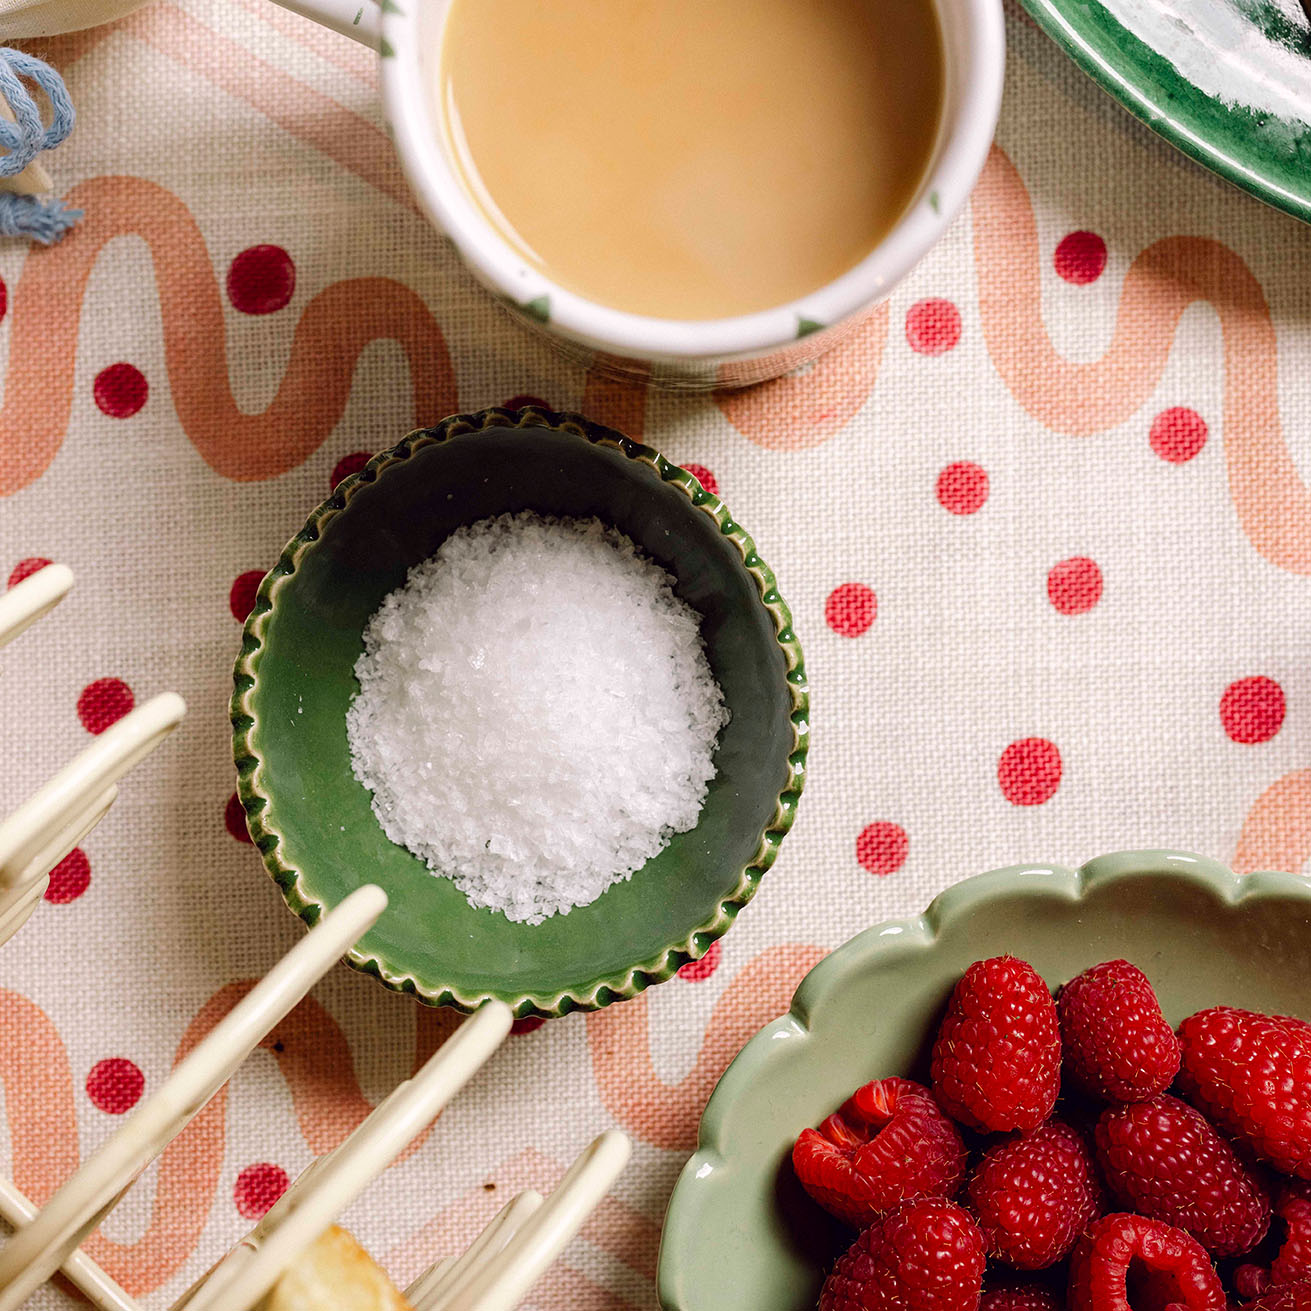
{"points": [[728, 352]]}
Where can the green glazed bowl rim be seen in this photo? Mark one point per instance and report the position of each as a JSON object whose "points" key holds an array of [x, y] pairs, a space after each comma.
{"points": [[907, 937], [259, 804]]}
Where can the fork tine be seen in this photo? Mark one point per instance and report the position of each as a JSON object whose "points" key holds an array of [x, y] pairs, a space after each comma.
{"points": [[26, 602], [500, 1284], [40, 1247], [445, 1278], [321, 1193]]}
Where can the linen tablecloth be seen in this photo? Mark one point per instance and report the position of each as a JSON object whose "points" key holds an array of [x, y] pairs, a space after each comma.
{"points": [[1042, 523]]}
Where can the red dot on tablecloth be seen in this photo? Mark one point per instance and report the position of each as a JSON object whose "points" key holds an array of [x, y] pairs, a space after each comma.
{"points": [[26, 568], [257, 1188], [120, 390], [1252, 709], [261, 280], [932, 326], [349, 464], [962, 487], [1029, 771], [851, 609], [696, 970], [69, 879], [234, 819], [526, 402], [4, 298], [1075, 585], [704, 477], [1080, 257], [115, 1085], [530, 1023], [881, 847], [241, 595], [1177, 434], [103, 703]]}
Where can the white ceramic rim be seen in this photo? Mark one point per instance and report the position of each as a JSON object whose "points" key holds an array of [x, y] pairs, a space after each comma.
{"points": [[974, 40]]}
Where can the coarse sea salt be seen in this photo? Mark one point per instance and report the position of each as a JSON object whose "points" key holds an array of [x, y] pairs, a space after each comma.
{"points": [[536, 715]]}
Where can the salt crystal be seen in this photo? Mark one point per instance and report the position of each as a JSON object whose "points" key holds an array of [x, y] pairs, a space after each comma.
{"points": [[536, 716]]}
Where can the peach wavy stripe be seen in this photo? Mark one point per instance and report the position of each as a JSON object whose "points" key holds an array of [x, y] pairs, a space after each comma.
{"points": [[664, 1114], [623, 1234], [1272, 502], [806, 408], [341, 52], [1277, 831], [312, 1055], [334, 328]]}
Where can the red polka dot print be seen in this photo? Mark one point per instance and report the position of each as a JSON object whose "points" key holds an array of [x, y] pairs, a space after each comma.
{"points": [[4, 298], [1075, 585], [234, 820], [1029, 771], [103, 703], [851, 609], [241, 595], [881, 847], [69, 879], [261, 280], [120, 390], [704, 477], [697, 970], [1177, 434], [933, 326], [1252, 709], [115, 1085], [962, 488], [26, 568], [257, 1188], [529, 1024], [526, 402], [1080, 258], [347, 465]]}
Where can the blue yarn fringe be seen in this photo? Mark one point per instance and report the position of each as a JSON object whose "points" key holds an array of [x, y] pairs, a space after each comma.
{"points": [[37, 218]]}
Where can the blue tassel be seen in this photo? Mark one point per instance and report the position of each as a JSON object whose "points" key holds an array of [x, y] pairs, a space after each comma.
{"points": [[37, 218]]}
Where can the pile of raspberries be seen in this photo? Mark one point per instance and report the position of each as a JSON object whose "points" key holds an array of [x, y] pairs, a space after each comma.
{"points": [[1132, 1198]]}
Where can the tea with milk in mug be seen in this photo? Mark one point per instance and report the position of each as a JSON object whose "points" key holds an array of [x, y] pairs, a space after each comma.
{"points": [[692, 159]]}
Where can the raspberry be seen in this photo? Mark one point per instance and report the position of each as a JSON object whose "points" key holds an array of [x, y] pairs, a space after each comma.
{"points": [[1124, 1257], [925, 1256], [1023, 1297], [1164, 1160], [1117, 1043], [997, 1058], [1251, 1075], [1291, 1297], [1034, 1195], [888, 1143], [1293, 1264]]}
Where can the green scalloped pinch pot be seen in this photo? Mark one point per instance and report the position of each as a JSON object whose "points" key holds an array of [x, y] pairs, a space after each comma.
{"points": [[739, 1232], [294, 680]]}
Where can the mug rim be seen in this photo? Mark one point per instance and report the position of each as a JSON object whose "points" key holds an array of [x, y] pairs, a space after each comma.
{"points": [[964, 140]]}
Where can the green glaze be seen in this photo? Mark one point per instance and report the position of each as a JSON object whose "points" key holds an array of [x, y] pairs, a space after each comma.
{"points": [[294, 680], [1262, 153], [739, 1232]]}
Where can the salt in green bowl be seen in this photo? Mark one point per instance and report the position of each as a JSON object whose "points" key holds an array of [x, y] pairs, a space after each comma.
{"points": [[313, 822], [740, 1233]]}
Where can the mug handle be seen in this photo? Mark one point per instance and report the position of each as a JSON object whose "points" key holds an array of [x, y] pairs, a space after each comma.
{"points": [[354, 18]]}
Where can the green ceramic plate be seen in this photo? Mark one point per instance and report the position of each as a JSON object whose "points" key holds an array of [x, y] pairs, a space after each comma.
{"points": [[1227, 81], [740, 1233], [294, 680]]}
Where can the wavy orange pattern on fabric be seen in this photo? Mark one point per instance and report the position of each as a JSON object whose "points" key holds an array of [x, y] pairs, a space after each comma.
{"points": [[1272, 502], [334, 328], [619, 1039], [313, 1057], [1277, 831]]}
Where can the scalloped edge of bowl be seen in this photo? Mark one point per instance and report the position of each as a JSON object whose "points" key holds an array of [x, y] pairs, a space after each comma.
{"points": [[901, 937], [258, 804]]}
